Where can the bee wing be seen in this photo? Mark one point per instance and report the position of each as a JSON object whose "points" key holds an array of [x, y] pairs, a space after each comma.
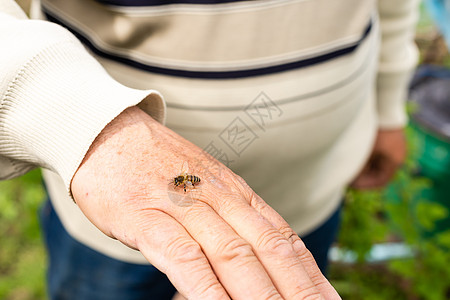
{"points": [[184, 168]]}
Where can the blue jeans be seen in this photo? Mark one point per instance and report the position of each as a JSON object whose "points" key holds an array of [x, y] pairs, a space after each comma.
{"points": [[78, 272]]}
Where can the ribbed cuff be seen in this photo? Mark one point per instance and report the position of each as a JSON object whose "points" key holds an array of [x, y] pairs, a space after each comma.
{"points": [[58, 104]]}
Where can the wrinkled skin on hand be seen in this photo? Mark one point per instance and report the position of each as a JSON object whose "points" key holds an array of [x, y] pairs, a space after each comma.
{"points": [[227, 243]]}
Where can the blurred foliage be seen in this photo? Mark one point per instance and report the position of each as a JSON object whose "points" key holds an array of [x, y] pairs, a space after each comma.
{"points": [[414, 218], [398, 213], [22, 257]]}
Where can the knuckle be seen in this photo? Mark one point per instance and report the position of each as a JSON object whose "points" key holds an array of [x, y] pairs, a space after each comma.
{"points": [[235, 249], [301, 250], [258, 203], [272, 243], [240, 180], [316, 276], [310, 293], [243, 187], [287, 231], [269, 293], [184, 250], [207, 289]]}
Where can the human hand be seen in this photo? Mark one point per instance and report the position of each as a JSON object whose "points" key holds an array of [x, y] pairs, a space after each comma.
{"points": [[228, 243], [389, 152]]}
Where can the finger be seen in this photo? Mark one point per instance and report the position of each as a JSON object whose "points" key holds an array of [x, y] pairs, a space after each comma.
{"points": [[274, 251], [167, 245], [319, 280], [231, 257]]}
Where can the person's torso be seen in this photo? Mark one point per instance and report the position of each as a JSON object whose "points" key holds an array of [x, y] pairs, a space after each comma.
{"points": [[279, 91]]}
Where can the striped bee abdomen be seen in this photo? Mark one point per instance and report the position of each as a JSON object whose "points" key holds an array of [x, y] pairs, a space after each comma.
{"points": [[193, 179]]}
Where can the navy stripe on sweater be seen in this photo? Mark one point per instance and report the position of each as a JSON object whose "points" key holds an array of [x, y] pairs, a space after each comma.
{"points": [[242, 73], [161, 2]]}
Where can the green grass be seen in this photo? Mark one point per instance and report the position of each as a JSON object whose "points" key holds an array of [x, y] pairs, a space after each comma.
{"points": [[22, 256]]}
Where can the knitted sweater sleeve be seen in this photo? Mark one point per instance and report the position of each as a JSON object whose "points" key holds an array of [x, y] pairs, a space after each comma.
{"points": [[398, 58], [54, 97]]}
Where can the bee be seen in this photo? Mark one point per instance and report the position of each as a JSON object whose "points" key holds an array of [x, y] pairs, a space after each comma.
{"points": [[186, 179], [189, 183]]}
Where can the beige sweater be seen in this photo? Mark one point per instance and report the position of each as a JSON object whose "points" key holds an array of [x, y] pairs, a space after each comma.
{"points": [[288, 93]]}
